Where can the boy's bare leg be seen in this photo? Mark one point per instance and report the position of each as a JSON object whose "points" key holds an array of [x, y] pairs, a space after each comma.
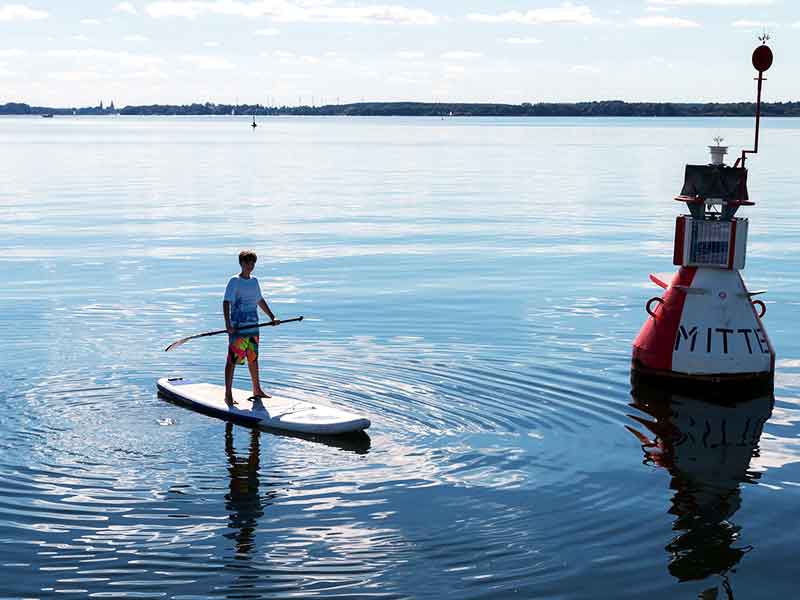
{"points": [[257, 391], [229, 367]]}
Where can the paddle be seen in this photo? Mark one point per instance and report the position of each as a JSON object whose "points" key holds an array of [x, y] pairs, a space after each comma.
{"points": [[182, 341]]}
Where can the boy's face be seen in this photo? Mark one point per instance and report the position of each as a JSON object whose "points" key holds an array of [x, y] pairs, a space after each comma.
{"points": [[248, 266]]}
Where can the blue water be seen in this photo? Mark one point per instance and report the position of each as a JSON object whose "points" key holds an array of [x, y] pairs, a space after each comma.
{"points": [[471, 285]]}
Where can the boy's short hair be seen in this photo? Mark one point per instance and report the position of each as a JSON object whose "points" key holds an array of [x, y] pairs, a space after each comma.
{"points": [[247, 256]]}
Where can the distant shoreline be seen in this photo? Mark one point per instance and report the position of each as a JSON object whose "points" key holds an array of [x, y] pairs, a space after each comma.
{"points": [[603, 108]]}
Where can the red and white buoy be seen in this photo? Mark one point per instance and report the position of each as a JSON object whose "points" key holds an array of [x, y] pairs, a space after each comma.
{"points": [[706, 327]]}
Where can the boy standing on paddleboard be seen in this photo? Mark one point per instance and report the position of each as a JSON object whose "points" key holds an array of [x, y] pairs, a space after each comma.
{"points": [[240, 307]]}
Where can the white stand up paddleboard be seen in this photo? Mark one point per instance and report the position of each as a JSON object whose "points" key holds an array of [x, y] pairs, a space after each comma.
{"points": [[277, 412]]}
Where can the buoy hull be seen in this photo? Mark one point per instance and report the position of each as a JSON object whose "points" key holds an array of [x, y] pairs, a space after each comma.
{"points": [[705, 328]]}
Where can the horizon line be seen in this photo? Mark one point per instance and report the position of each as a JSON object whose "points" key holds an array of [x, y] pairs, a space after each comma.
{"points": [[461, 103]]}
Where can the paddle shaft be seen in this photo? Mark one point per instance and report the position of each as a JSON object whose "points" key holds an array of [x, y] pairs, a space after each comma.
{"points": [[270, 324], [208, 333]]}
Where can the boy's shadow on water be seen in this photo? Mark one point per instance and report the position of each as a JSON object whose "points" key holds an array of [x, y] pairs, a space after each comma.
{"points": [[706, 446], [244, 501]]}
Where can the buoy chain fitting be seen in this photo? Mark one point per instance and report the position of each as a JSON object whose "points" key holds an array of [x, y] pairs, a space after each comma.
{"points": [[649, 302], [763, 307]]}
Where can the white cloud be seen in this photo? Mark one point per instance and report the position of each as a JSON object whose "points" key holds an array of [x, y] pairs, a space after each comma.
{"points": [[211, 44], [147, 74], [410, 55], [522, 41], [711, 2], [271, 31], [747, 24], [454, 71], [76, 76], [405, 79], [91, 21], [461, 55], [204, 61], [286, 57], [190, 10], [80, 38], [368, 14], [126, 7], [584, 69], [124, 59], [13, 12], [12, 53], [660, 61], [136, 38], [295, 76], [664, 21], [567, 13], [292, 11]]}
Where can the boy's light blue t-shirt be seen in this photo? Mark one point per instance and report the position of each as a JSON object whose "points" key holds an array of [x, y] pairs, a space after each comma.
{"points": [[243, 294]]}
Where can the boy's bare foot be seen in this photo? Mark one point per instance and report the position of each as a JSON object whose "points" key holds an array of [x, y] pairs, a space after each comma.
{"points": [[261, 394], [230, 401]]}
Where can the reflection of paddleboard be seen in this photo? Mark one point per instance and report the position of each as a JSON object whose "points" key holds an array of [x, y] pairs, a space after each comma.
{"points": [[278, 412]]}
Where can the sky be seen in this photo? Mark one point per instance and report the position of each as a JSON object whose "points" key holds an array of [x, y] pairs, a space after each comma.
{"points": [[286, 52]]}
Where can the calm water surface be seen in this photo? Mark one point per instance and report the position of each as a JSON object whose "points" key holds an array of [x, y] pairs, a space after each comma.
{"points": [[472, 285]]}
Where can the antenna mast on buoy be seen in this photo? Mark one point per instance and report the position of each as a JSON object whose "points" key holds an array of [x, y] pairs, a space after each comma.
{"points": [[762, 61]]}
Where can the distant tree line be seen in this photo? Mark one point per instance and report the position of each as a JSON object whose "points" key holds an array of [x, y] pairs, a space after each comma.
{"points": [[604, 108]]}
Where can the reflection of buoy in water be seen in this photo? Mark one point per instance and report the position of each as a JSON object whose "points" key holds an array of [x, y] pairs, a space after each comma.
{"points": [[706, 327], [707, 448]]}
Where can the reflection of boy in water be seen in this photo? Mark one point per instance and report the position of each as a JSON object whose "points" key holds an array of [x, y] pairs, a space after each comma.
{"points": [[243, 500], [240, 306]]}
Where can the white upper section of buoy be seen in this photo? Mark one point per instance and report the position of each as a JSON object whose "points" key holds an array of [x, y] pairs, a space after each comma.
{"points": [[719, 331]]}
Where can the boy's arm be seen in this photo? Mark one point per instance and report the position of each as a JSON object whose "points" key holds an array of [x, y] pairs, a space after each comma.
{"points": [[226, 311], [265, 307], [230, 295]]}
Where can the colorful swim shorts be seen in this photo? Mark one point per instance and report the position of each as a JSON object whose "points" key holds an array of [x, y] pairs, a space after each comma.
{"points": [[243, 349]]}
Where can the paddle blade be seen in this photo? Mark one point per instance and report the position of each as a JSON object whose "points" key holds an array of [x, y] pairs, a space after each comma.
{"points": [[176, 344]]}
